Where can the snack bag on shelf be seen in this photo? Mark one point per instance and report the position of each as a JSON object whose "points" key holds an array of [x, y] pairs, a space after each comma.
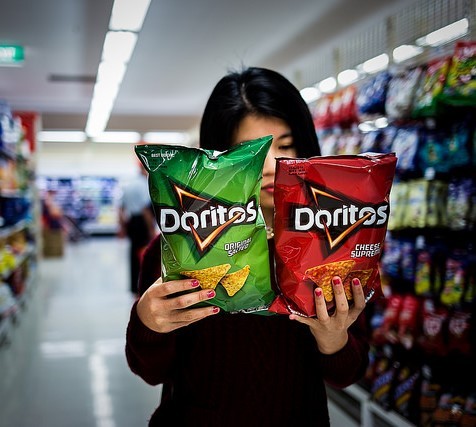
{"points": [[430, 88], [372, 95], [401, 94], [460, 87], [409, 321], [430, 392], [207, 208], [459, 328], [405, 146], [331, 217], [406, 395], [454, 279], [432, 339]]}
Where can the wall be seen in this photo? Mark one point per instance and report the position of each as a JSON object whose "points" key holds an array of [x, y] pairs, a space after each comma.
{"points": [[87, 158]]}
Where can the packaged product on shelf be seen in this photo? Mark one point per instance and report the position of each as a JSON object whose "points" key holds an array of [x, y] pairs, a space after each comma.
{"points": [[449, 410], [460, 87], [458, 203], [408, 321], [432, 339], [423, 273], [331, 215], [383, 384], [398, 205], [416, 206], [372, 95], [387, 332], [459, 331], [405, 146], [322, 112], [453, 286], [430, 88], [468, 418], [406, 391], [430, 391], [207, 208], [401, 93], [458, 144], [433, 153]]}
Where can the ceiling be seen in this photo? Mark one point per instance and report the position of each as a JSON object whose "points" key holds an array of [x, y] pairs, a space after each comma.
{"points": [[182, 51]]}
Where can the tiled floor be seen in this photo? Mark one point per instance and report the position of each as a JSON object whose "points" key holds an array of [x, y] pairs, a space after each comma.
{"points": [[65, 365]]}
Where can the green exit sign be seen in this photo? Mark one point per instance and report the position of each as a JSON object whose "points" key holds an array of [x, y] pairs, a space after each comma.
{"points": [[11, 55]]}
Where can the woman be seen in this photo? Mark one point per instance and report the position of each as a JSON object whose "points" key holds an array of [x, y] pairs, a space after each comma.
{"points": [[245, 369]]}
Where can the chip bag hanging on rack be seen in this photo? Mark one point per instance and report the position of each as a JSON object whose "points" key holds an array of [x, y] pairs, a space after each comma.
{"points": [[331, 216], [206, 204]]}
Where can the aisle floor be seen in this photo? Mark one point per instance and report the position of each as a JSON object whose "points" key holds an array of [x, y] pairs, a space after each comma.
{"points": [[65, 364]]}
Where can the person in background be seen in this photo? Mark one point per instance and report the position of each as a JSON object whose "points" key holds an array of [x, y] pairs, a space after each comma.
{"points": [[136, 222], [243, 369]]}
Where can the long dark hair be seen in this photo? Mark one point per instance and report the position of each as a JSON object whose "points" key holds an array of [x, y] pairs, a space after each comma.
{"points": [[262, 92]]}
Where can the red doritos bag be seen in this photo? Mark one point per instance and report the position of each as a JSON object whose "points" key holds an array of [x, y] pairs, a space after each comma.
{"points": [[331, 216]]}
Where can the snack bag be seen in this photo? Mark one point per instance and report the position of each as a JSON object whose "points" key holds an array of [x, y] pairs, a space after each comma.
{"points": [[331, 217], [206, 204]]}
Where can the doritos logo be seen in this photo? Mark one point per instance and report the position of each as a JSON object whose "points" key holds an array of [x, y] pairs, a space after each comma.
{"points": [[336, 216], [203, 217]]}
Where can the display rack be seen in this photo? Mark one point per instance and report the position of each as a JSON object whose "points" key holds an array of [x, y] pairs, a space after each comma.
{"points": [[19, 228], [421, 370]]}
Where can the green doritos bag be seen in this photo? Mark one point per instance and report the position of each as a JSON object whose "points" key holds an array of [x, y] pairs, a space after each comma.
{"points": [[206, 204]]}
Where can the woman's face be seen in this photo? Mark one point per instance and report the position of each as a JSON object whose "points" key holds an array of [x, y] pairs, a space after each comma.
{"points": [[252, 127]]}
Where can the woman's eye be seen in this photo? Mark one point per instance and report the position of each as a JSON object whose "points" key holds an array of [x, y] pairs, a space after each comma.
{"points": [[286, 147]]}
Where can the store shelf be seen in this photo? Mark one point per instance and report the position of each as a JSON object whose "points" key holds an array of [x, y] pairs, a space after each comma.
{"points": [[357, 404]]}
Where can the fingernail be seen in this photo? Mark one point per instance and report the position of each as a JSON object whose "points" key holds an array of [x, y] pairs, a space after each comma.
{"points": [[318, 292], [336, 281], [195, 283], [215, 310], [210, 294], [355, 281]]}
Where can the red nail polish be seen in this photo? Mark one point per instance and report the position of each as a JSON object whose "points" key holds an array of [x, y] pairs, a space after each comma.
{"points": [[356, 282], [215, 310], [195, 283], [318, 292], [210, 294], [336, 281]]}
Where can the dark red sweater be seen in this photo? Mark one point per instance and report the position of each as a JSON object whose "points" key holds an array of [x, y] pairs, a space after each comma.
{"points": [[239, 369]]}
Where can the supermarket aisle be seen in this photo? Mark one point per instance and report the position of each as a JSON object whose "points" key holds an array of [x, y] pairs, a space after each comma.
{"points": [[66, 364]]}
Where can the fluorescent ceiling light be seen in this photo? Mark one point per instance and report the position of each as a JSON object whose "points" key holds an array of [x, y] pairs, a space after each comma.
{"points": [[118, 46], [61, 136], [128, 14], [118, 137], [365, 127], [376, 64], [443, 35], [405, 52], [347, 77], [310, 94], [381, 122], [111, 72], [328, 85], [166, 137], [98, 118]]}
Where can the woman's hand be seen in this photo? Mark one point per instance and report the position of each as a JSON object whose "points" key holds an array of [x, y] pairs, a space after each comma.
{"points": [[162, 311], [330, 331]]}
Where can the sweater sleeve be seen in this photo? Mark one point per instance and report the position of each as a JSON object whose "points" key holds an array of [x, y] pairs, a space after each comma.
{"points": [[349, 364], [149, 354]]}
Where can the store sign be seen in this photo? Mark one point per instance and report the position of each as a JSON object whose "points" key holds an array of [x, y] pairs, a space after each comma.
{"points": [[11, 55]]}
